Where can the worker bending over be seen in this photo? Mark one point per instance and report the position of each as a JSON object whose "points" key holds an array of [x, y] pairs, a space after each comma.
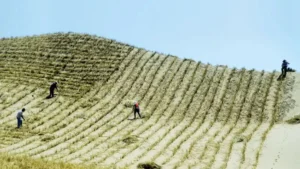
{"points": [[52, 87]]}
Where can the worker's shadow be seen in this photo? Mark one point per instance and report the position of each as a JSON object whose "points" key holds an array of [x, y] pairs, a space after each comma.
{"points": [[136, 118], [281, 77], [49, 97]]}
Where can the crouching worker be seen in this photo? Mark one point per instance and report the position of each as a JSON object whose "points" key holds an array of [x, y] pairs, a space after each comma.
{"points": [[52, 87], [284, 67], [20, 117], [136, 109]]}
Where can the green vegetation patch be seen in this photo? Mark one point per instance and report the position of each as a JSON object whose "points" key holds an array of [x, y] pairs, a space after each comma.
{"points": [[23, 162]]}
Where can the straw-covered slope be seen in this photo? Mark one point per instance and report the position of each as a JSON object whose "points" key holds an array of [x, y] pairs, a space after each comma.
{"points": [[195, 115], [76, 61]]}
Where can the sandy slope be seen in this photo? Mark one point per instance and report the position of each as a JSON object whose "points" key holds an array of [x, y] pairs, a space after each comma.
{"points": [[281, 149], [195, 115]]}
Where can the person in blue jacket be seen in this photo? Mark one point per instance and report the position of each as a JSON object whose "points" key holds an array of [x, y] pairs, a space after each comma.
{"points": [[284, 67], [20, 117]]}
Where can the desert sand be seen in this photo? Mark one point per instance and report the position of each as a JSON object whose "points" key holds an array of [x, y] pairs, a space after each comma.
{"points": [[281, 149], [195, 115]]}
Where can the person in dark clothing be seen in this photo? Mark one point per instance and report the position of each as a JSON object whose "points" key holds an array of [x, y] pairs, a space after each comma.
{"points": [[136, 109], [52, 87], [20, 117], [284, 67]]}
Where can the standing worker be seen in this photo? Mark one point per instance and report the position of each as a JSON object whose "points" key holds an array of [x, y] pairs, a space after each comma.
{"points": [[52, 87], [284, 68], [20, 117], [136, 109]]}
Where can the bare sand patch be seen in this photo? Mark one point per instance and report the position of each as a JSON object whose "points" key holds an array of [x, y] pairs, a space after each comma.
{"points": [[281, 148]]}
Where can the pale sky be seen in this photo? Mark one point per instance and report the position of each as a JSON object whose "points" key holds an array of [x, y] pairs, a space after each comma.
{"points": [[240, 33]]}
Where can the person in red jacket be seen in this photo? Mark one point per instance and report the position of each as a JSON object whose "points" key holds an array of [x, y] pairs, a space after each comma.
{"points": [[136, 109]]}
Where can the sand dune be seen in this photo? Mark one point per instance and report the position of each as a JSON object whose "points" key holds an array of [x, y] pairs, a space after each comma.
{"points": [[196, 115], [281, 148]]}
